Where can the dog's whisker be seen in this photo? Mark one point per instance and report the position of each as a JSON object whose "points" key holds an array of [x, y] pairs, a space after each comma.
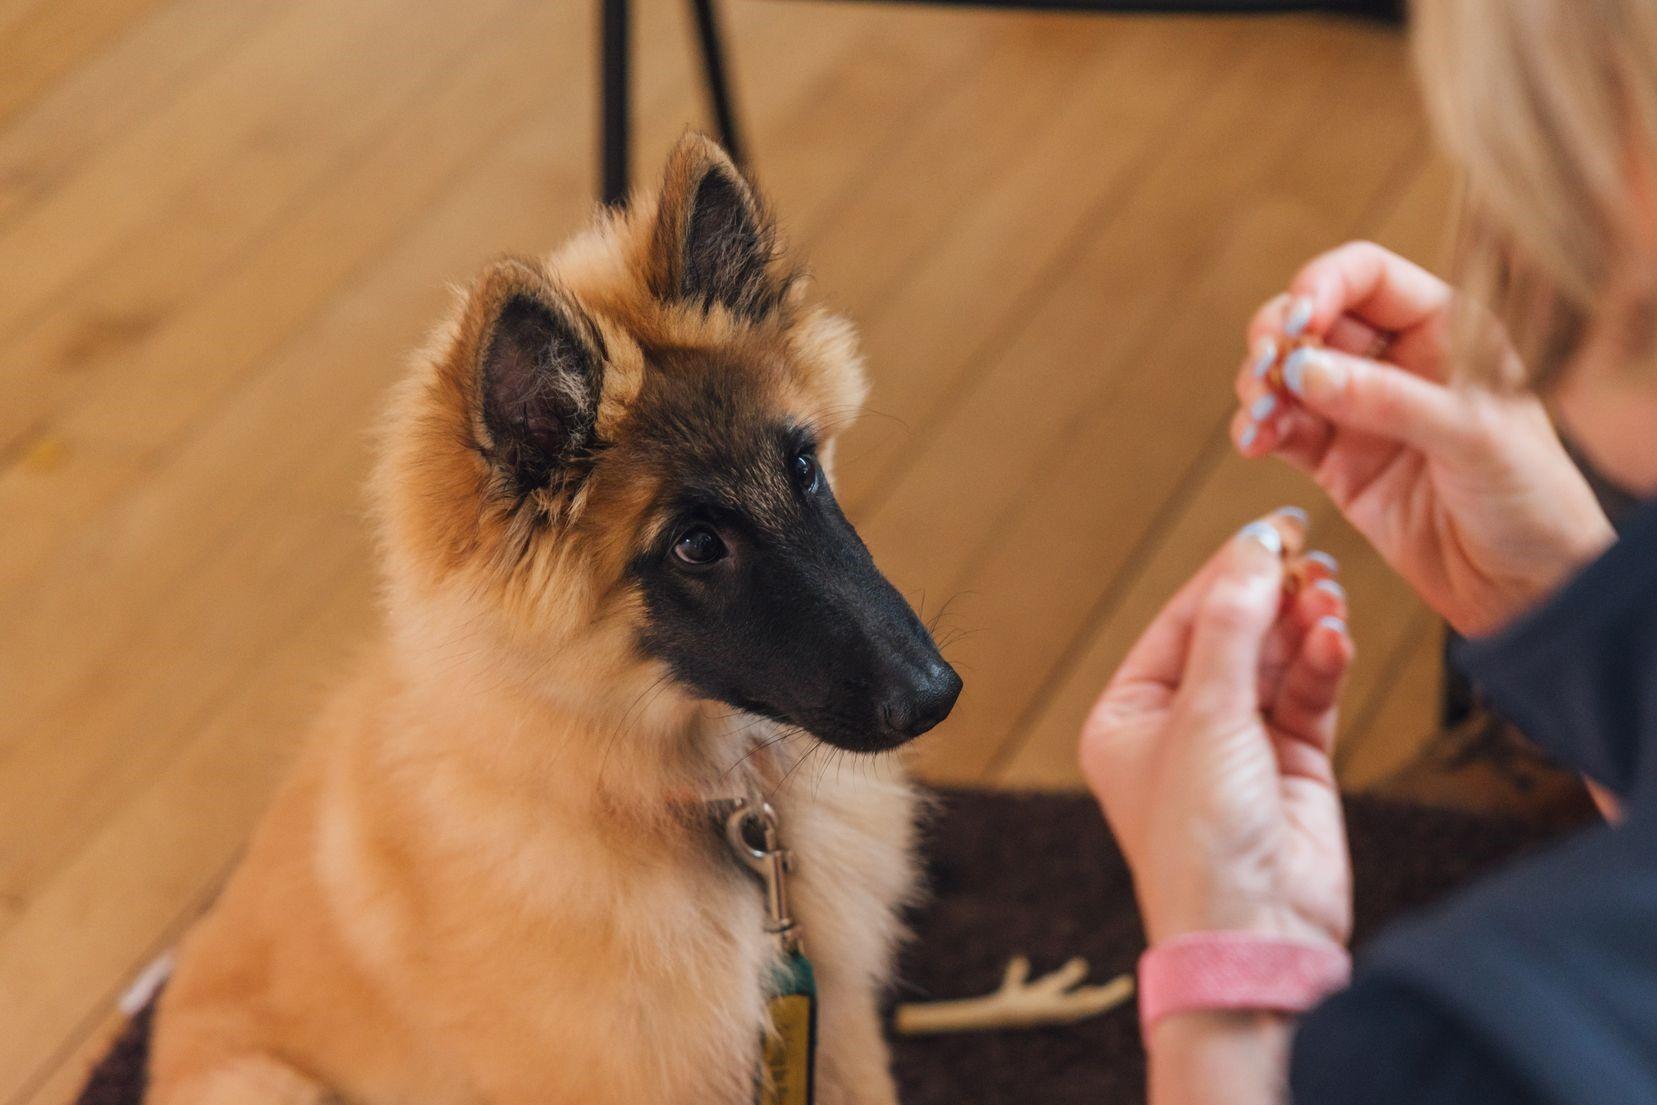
{"points": [[651, 692], [802, 758], [760, 747]]}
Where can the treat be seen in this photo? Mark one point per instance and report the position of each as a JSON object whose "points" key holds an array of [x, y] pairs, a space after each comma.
{"points": [[1287, 348], [1306, 571]]}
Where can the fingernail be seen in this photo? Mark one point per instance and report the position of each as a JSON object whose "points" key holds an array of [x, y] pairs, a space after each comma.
{"points": [[1318, 556], [1262, 406], [1265, 534], [1294, 370], [1264, 359], [1246, 438], [1333, 587], [1296, 513], [1300, 314], [1329, 621]]}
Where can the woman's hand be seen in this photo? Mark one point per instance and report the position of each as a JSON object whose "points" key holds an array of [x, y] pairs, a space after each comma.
{"points": [[1468, 495], [1209, 750]]}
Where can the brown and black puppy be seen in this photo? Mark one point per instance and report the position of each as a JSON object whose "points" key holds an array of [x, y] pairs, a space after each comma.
{"points": [[615, 573]]}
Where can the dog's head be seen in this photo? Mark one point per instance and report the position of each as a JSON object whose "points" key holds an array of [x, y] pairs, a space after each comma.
{"points": [[622, 457]]}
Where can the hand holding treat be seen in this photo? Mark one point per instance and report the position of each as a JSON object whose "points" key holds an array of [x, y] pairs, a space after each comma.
{"points": [[1209, 750], [1469, 495]]}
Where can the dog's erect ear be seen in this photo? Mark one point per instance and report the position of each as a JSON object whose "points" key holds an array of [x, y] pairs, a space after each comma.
{"points": [[714, 241], [540, 372]]}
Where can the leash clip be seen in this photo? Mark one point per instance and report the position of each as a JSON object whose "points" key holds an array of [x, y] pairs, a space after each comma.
{"points": [[751, 831]]}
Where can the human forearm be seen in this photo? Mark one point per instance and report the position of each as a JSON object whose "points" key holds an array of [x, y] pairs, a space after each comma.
{"points": [[1220, 1059]]}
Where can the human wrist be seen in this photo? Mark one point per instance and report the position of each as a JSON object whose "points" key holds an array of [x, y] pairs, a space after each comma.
{"points": [[1586, 544], [1578, 544], [1219, 1058], [1234, 908], [1574, 548]]}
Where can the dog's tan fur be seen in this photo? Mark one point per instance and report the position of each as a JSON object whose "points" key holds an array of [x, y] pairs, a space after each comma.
{"points": [[489, 878]]}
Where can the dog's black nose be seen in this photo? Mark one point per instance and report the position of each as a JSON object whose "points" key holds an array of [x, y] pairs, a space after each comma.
{"points": [[926, 702]]}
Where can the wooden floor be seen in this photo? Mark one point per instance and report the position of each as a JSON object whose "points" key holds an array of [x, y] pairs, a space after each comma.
{"points": [[223, 223]]}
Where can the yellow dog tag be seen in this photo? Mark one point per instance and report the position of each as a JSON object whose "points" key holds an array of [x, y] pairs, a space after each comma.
{"points": [[790, 1048]]}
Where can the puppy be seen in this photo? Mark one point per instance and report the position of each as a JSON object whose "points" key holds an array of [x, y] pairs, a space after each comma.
{"points": [[619, 593]]}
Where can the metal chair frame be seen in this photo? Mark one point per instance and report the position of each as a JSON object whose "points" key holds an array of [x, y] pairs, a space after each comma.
{"points": [[615, 92]]}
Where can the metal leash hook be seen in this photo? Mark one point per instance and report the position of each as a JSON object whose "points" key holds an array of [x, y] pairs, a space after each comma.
{"points": [[768, 859]]}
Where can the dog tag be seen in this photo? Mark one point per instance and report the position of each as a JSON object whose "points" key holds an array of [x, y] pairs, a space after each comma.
{"points": [[788, 1051], [790, 1048]]}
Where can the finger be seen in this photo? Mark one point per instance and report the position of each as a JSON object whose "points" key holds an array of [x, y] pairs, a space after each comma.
{"points": [[1261, 422], [1351, 335], [1314, 595], [1159, 656], [1253, 371], [1262, 404], [1265, 334], [1307, 698], [1315, 567], [1231, 624], [1254, 439], [1379, 399], [1323, 598], [1303, 440], [1254, 376], [1370, 283], [1290, 432], [1268, 320]]}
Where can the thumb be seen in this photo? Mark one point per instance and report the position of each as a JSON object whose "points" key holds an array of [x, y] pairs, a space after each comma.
{"points": [[1232, 622], [1375, 398]]}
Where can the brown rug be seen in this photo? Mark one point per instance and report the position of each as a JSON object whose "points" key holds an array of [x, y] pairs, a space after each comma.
{"points": [[1037, 875]]}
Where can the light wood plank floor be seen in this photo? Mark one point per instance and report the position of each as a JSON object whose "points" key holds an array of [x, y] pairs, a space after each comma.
{"points": [[223, 223]]}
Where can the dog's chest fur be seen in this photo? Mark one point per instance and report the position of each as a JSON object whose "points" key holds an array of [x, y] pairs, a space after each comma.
{"points": [[440, 939], [643, 964]]}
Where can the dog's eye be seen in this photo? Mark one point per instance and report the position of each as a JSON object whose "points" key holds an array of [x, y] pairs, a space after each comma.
{"points": [[699, 546], [806, 472]]}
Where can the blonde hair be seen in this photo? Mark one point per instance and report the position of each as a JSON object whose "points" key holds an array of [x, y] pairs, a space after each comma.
{"points": [[1549, 109]]}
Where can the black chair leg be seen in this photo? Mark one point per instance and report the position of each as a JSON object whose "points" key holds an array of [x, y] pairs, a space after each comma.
{"points": [[615, 54], [718, 81]]}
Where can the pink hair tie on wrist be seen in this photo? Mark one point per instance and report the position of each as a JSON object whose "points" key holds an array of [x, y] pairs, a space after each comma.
{"points": [[1208, 971]]}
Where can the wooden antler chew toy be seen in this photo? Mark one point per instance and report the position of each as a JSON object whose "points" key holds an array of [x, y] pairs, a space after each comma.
{"points": [[1055, 998]]}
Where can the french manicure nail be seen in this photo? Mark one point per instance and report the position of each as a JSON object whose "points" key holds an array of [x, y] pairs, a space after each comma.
{"points": [[1300, 314], [1318, 556], [1329, 621], [1294, 370], [1296, 513], [1246, 438], [1261, 407], [1264, 358], [1330, 585], [1265, 534]]}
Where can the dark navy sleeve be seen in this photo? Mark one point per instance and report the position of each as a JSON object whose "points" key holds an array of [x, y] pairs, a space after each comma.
{"points": [[1537, 983], [1578, 675], [1379, 1043]]}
